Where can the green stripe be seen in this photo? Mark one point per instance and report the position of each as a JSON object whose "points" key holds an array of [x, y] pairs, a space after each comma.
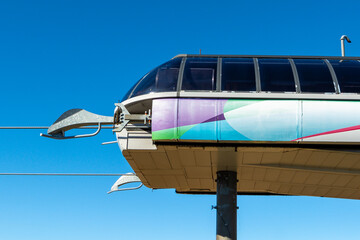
{"points": [[235, 104], [165, 134], [171, 133]]}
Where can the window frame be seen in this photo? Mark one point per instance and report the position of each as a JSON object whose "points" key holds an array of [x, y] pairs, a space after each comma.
{"points": [[333, 75]]}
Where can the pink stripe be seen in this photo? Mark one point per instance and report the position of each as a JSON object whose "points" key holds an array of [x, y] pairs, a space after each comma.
{"points": [[357, 127]]}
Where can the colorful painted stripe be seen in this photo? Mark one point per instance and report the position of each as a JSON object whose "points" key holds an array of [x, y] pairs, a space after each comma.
{"points": [[254, 120]]}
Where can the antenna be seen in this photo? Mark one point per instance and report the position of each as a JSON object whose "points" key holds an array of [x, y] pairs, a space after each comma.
{"points": [[343, 37]]}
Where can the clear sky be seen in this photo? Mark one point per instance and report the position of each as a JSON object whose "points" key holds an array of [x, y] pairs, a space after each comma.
{"points": [[58, 55]]}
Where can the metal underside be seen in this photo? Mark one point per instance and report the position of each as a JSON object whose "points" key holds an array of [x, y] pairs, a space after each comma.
{"points": [[293, 169]]}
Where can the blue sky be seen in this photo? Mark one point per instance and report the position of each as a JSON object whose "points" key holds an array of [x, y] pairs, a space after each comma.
{"points": [[58, 55]]}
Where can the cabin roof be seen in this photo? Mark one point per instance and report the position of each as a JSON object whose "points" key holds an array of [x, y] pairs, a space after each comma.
{"points": [[263, 56], [252, 73]]}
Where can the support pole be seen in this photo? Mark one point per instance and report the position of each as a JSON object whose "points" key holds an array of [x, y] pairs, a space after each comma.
{"points": [[226, 208]]}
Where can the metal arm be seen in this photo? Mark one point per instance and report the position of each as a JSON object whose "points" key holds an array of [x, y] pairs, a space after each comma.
{"points": [[61, 136], [122, 117], [79, 118], [125, 179], [76, 118]]}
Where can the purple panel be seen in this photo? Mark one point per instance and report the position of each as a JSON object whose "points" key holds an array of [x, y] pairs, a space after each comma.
{"points": [[195, 111], [164, 114]]}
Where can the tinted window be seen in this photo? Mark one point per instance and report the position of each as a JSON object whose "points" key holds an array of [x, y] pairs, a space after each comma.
{"points": [[348, 75], [314, 76], [128, 93], [238, 74], [200, 74], [167, 76], [161, 79], [276, 75]]}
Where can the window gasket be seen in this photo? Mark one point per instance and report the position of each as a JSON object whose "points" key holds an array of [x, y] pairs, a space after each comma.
{"points": [[218, 75], [257, 75], [181, 75], [334, 77], [296, 75]]}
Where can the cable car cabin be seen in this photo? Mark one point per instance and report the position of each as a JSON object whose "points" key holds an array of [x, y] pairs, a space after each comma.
{"points": [[287, 125]]}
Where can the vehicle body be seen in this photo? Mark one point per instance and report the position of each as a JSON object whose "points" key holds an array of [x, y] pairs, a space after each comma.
{"points": [[286, 124]]}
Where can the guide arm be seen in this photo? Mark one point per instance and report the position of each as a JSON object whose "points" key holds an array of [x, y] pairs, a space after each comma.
{"points": [[126, 179], [76, 118]]}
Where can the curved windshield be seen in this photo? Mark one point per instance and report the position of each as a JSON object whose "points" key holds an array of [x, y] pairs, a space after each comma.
{"points": [[161, 79], [129, 92]]}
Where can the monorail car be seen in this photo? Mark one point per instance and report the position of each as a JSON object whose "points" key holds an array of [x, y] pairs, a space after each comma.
{"points": [[286, 124]]}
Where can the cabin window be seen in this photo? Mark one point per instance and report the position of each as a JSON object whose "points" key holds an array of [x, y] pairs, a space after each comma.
{"points": [[314, 76], [200, 74], [161, 79], [128, 93], [238, 74], [276, 75], [167, 76], [348, 75]]}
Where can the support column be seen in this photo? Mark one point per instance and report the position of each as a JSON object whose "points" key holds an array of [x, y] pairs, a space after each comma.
{"points": [[226, 208]]}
